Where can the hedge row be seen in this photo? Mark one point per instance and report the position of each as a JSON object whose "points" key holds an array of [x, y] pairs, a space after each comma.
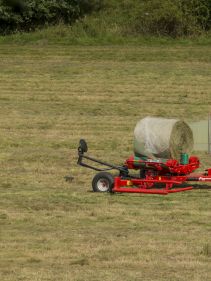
{"points": [[26, 15], [161, 17], [150, 17], [173, 17]]}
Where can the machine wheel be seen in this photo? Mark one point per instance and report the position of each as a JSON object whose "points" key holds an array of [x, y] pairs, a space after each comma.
{"points": [[103, 182]]}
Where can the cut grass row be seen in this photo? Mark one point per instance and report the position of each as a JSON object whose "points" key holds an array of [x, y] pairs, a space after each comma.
{"points": [[50, 97]]}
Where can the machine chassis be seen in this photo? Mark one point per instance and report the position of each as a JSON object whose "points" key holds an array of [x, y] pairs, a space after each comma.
{"points": [[155, 177]]}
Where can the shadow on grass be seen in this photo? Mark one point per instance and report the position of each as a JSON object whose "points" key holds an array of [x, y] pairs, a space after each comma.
{"points": [[204, 186]]}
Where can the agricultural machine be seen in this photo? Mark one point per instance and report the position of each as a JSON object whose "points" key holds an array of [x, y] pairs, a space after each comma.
{"points": [[153, 176]]}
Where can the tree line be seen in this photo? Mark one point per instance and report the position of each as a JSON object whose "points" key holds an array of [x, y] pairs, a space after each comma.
{"points": [[27, 15], [152, 17]]}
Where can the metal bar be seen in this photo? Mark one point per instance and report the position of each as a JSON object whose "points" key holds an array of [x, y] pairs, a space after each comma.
{"points": [[199, 177], [91, 167], [123, 182], [150, 191], [140, 190], [204, 178], [193, 179], [81, 156]]}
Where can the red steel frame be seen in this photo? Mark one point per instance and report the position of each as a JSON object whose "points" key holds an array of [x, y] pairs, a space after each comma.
{"points": [[158, 178], [158, 185], [148, 186]]}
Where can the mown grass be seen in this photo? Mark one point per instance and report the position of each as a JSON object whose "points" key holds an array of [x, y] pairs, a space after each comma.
{"points": [[50, 97]]}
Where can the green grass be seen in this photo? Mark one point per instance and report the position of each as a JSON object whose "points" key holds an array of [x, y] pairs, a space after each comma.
{"points": [[92, 31], [50, 97]]}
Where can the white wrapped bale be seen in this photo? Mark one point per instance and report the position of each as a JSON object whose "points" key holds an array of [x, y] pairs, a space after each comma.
{"points": [[201, 137], [162, 138]]}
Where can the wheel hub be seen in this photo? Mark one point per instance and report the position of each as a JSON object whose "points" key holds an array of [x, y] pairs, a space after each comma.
{"points": [[103, 185]]}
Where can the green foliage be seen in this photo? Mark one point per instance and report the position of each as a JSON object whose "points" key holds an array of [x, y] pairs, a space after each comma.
{"points": [[86, 6], [174, 18], [27, 15], [161, 17]]}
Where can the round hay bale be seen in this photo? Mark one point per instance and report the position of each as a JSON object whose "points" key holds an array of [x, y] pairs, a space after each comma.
{"points": [[162, 138]]}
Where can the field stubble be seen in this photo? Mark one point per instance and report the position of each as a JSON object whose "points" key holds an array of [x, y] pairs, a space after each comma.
{"points": [[52, 96]]}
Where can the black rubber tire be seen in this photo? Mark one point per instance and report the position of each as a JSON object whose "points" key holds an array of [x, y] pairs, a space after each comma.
{"points": [[101, 179]]}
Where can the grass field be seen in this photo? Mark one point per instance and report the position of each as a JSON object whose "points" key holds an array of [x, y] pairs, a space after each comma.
{"points": [[50, 97]]}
